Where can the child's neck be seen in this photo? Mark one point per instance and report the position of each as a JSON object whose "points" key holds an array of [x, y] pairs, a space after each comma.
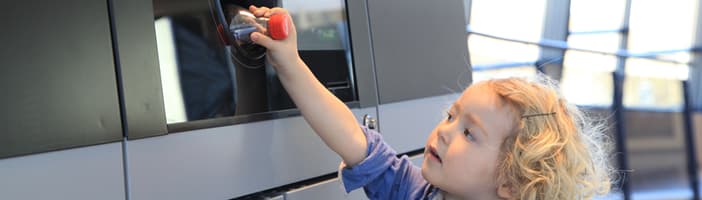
{"points": [[448, 196]]}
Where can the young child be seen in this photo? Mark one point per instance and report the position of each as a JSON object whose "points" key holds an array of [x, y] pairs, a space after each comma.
{"points": [[501, 139]]}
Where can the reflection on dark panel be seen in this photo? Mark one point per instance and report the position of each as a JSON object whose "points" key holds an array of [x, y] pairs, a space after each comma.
{"points": [[135, 43], [205, 77], [57, 76], [198, 73], [203, 80], [329, 67]]}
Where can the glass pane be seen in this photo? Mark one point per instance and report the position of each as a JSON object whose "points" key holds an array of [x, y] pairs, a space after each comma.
{"points": [[203, 79], [650, 92], [590, 61], [656, 69], [513, 19], [485, 50], [606, 42], [587, 78], [522, 20], [596, 15], [319, 23], [653, 84], [585, 87], [684, 57], [662, 25], [523, 71]]}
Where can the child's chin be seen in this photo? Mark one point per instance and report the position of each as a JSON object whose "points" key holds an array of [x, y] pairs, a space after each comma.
{"points": [[427, 172], [431, 177]]}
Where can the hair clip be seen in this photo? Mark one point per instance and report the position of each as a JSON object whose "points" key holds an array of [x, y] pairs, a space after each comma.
{"points": [[538, 114]]}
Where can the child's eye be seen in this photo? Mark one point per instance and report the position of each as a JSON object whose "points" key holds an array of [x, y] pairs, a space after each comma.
{"points": [[468, 135], [449, 117]]}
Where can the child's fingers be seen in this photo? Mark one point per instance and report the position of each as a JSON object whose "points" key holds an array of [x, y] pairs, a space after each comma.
{"points": [[259, 11], [267, 12], [262, 40], [253, 9], [277, 10]]}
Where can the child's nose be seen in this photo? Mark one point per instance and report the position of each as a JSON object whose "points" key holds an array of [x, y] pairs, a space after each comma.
{"points": [[444, 133]]}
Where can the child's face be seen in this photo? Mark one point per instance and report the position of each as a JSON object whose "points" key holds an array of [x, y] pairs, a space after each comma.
{"points": [[462, 151]]}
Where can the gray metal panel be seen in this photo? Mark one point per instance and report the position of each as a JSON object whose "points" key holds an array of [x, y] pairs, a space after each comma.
{"points": [[228, 162], [84, 173], [141, 80], [362, 53], [406, 125], [420, 48], [331, 189], [467, 7], [57, 76]]}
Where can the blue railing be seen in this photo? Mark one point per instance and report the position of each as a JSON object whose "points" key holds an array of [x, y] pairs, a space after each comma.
{"points": [[504, 65], [563, 45], [597, 32]]}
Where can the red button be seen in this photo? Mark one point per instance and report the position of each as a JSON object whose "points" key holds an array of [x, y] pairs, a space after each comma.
{"points": [[278, 26]]}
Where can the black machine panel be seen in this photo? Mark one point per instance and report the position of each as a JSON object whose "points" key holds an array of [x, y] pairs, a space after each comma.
{"points": [[57, 77], [204, 81]]}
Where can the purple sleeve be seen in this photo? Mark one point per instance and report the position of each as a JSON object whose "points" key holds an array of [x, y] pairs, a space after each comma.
{"points": [[382, 174]]}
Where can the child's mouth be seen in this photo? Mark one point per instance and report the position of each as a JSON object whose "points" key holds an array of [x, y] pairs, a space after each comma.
{"points": [[432, 152]]}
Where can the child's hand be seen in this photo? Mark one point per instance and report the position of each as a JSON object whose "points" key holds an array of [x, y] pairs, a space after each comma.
{"points": [[280, 52]]}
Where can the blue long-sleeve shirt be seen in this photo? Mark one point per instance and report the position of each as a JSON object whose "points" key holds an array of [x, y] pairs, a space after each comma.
{"points": [[384, 176]]}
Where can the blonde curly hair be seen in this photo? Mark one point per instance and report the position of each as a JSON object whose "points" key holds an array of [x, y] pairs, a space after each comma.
{"points": [[555, 151]]}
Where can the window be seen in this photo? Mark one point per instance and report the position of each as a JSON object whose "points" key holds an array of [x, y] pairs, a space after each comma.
{"points": [[656, 84], [519, 71], [596, 15], [511, 19], [514, 19], [587, 78], [596, 27], [656, 25], [605, 42]]}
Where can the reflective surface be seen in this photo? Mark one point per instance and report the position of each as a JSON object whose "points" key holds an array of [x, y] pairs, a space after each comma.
{"points": [[202, 80]]}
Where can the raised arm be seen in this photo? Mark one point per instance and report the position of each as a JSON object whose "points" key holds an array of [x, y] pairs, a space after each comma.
{"points": [[326, 114]]}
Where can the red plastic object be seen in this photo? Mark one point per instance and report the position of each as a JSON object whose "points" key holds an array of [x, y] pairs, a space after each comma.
{"points": [[278, 26]]}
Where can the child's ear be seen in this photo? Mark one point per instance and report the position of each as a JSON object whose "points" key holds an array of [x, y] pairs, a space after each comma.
{"points": [[504, 191]]}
